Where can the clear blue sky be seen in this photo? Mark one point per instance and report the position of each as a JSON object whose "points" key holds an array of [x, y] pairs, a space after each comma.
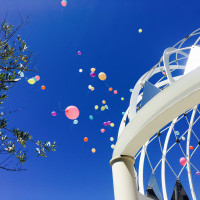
{"points": [[107, 34]]}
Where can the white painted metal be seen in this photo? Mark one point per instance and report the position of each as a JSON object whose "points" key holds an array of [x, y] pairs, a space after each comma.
{"points": [[188, 153], [164, 189]]}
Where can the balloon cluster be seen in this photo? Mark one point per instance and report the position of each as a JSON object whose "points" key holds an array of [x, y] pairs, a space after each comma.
{"points": [[33, 80]]}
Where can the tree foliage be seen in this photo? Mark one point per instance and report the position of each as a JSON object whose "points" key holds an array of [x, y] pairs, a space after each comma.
{"points": [[15, 58]]}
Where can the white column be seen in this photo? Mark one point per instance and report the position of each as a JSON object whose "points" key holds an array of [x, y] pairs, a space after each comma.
{"points": [[125, 186]]}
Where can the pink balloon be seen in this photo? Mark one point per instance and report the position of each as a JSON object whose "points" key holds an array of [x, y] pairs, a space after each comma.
{"points": [[198, 173], [64, 3], [108, 123], [105, 124], [79, 53], [183, 161], [53, 113], [102, 130], [72, 112], [115, 92], [37, 78], [92, 74]]}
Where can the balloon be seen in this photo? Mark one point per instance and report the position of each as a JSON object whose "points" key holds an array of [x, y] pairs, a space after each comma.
{"points": [[92, 89], [108, 123], [103, 102], [105, 124], [140, 30], [177, 133], [43, 87], [89, 86], [92, 74], [75, 121], [106, 107], [198, 173], [96, 107], [102, 76], [93, 69], [112, 146], [112, 124], [186, 168], [111, 139], [37, 78], [80, 70], [183, 161], [21, 74], [64, 3], [183, 138], [131, 90], [115, 92], [191, 147], [79, 53], [31, 81], [53, 113], [91, 117], [85, 139], [103, 108], [123, 113], [72, 112], [122, 98], [93, 150], [34, 79], [103, 130], [110, 89]]}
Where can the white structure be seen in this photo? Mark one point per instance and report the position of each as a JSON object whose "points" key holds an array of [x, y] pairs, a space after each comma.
{"points": [[179, 71]]}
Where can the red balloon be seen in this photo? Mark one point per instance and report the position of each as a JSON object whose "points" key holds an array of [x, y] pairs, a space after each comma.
{"points": [[72, 112], [183, 161]]}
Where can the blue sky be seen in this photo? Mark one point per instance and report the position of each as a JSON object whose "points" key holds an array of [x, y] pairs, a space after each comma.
{"points": [[107, 34]]}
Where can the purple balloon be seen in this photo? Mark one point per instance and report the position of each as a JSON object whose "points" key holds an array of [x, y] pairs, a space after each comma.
{"points": [[108, 123], [92, 74], [105, 124], [198, 173], [53, 113]]}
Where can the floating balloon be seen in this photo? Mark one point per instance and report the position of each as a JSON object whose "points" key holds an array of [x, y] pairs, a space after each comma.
{"points": [[93, 69], [96, 107], [123, 113], [115, 92], [122, 98], [105, 124], [37, 78], [102, 76], [112, 124], [103, 102], [85, 139], [34, 79], [31, 81], [72, 112], [92, 89], [89, 87], [177, 133], [92, 74], [183, 138], [112, 146], [108, 123], [93, 150], [91, 117], [103, 130], [43, 87], [198, 173], [79, 53], [106, 107], [21, 74], [191, 147], [140, 30], [53, 113], [103, 108], [75, 121], [80, 70], [64, 3], [186, 168], [111, 139], [183, 161], [110, 89], [131, 90]]}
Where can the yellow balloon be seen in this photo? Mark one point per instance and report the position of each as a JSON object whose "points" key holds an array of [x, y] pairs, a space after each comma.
{"points": [[112, 146], [31, 81], [140, 30], [111, 139], [93, 150], [102, 76], [93, 69], [103, 108], [92, 88], [122, 98], [112, 124], [80, 70], [96, 107], [103, 102]]}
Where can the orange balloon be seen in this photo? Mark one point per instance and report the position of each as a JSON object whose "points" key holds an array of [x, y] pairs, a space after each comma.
{"points": [[191, 147], [43, 87], [85, 139], [103, 102], [110, 89], [102, 76], [102, 130]]}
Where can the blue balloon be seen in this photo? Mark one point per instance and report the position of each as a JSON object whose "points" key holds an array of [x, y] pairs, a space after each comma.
{"points": [[123, 113], [75, 121], [91, 117]]}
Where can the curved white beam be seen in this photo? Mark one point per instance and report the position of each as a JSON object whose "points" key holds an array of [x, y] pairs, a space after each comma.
{"points": [[179, 97]]}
